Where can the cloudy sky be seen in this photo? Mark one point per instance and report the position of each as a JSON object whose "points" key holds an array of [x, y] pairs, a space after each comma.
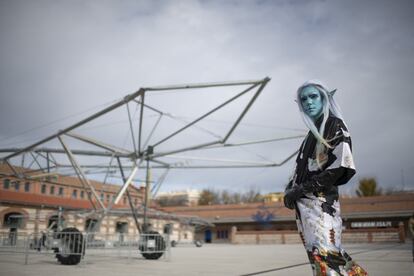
{"points": [[64, 60]]}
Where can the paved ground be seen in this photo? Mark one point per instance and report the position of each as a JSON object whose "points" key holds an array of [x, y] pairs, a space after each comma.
{"points": [[378, 259]]}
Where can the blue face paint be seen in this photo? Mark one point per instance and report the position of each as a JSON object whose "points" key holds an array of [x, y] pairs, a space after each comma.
{"points": [[311, 101]]}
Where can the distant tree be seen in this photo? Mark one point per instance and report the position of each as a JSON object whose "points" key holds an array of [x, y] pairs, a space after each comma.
{"points": [[236, 198], [209, 197], [251, 196], [172, 201], [368, 187], [226, 197]]}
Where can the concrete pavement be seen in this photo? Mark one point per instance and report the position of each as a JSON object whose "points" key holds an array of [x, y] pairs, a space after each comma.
{"points": [[215, 259]]}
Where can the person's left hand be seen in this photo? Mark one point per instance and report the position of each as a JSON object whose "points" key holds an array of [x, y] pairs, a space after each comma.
{"points": [[292, 195]]}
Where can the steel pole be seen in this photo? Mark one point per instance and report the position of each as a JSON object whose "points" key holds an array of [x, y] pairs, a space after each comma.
{"points": [[147, 199]]}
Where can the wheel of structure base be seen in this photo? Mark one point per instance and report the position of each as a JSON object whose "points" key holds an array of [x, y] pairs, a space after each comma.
{"points": [[71, 246], [151, 245], [198, 243], [173, 243]]}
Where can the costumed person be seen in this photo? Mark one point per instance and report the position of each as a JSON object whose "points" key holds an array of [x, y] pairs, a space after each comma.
{"points": [[411, 227], [324, 162]]}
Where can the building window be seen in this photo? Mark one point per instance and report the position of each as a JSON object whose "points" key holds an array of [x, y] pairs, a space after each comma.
{"points": [[92, 226], [43, 189], [52, 190], [6, 184], [75, 193], [136, 202], [125, 200], [61, 190], [108, 198], [13, 220], [27, 187], [17, 185], [222, 234], [82, 194], [102, 197]]}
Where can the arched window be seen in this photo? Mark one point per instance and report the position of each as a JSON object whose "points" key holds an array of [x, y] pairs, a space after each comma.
{"points": [[13, 220], [53, 222], [6, 184], [91, 225]]}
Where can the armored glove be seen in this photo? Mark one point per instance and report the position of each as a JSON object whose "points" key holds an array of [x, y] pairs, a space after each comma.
{"points": [[291, 195]]}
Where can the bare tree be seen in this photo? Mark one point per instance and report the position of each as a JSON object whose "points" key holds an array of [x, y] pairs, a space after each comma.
{"points": [[251, 196]]}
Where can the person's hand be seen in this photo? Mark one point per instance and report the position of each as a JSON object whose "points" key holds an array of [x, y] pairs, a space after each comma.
{"points": [[292, 195], [288, 203]]}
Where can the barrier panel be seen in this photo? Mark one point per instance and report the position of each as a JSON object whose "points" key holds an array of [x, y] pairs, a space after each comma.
{"points": [[150, 245], [12, 242], [70, 247]]}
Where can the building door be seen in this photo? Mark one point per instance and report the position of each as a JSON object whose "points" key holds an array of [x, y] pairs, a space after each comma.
{"points": [[13, 221], [207, 236], [12, 236], [121, 229], [91, 227]]}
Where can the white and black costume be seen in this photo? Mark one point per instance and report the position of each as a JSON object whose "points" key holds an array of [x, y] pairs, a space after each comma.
{"points": [[324, 162]]}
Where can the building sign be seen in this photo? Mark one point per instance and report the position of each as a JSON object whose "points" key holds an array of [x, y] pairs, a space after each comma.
{"points": [[370, 224]]}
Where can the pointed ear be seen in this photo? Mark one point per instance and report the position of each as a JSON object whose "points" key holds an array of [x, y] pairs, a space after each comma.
{"points": [[332, 92]]}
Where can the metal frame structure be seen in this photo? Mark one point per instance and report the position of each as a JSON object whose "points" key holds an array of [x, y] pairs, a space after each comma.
{"points": [[142, 156]]}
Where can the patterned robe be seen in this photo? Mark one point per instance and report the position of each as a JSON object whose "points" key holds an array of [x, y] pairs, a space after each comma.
{"points": [[318, 212]]}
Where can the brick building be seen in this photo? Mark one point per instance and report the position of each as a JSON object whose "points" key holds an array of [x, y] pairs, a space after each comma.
{"points": [[367, 219], [32, 204]]}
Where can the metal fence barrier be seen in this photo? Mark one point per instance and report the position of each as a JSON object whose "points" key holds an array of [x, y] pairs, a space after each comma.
{"points": [[71, 247], [12, 242]]}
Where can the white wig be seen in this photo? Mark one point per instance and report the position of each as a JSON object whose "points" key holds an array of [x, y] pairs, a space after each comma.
{"points": [[329, 104]]}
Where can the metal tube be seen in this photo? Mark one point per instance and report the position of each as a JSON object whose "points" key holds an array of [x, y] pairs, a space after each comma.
{"points": [[126, 184], [76, 152], [12, 168], [35, 159], [109, 168], [23, 156], [134, 212], [217, 160], [152, 131], [201, 85], [97, 143], [263, 141], [141, 118], [264, 165], [53, 158], [185, 149], [157, 185], [81, 175], [265, 81], [132, 129], [160, 162], [147, 200], [205, 115], [150, 107], [82, 122], [48, 163]]}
